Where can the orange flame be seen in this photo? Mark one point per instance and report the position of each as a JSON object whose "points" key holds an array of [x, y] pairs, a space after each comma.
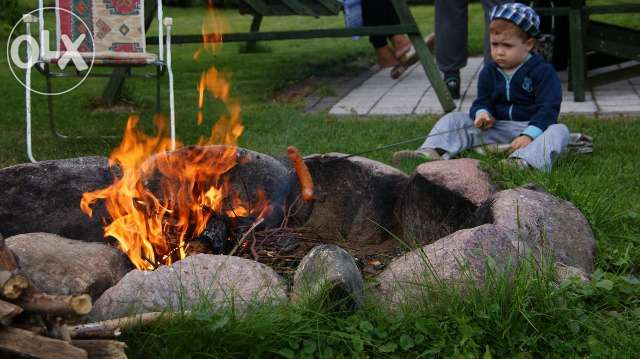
{"points": [[153, 226], [212, 29]]}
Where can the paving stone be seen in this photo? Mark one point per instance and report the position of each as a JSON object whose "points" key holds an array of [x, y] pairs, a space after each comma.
{"points": [[628, 99], [412, 94], [623, 109]]}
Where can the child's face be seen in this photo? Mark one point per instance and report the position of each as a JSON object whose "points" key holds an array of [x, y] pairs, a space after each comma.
{"points": [[509, 50]]}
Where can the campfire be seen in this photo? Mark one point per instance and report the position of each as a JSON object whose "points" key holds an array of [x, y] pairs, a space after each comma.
{"points": [[193, 203]]}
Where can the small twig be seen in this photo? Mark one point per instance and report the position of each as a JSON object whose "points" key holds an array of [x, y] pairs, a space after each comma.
{"points": [[246, 234], [253, 247]]}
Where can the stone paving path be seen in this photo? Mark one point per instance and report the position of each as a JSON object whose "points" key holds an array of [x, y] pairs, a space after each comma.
{"points": [[412, 95]]}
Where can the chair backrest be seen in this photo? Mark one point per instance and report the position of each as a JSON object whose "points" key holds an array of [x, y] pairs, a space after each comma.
{"points": [[117, 26]]}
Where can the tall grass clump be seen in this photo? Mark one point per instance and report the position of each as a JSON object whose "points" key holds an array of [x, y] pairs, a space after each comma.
{"points": [[520, 311]]}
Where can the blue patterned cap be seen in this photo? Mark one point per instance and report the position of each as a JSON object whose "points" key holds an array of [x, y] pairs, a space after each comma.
{"points": [[519, 14]]}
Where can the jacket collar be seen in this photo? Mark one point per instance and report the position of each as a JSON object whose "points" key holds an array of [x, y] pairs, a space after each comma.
{"points": [[532, 60]]}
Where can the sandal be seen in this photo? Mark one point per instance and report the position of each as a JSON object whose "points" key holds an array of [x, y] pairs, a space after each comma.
{"points": [[410, 58]]}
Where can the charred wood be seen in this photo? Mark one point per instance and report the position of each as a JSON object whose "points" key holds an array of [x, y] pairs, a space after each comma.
{"points": [[215, 235]]}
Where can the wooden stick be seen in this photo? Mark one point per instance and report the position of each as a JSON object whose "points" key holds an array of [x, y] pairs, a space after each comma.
{"points": [[12, 285], [8, 311], [102, 349], [57, 305], [8, 260], [113, 327], [57, 329], [246, 234], [26, 343]]}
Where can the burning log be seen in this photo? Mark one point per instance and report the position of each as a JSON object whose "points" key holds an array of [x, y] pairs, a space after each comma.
{"points": [[57, 305], [215, 235], [26, 343], [102, 349], [113, 327]]}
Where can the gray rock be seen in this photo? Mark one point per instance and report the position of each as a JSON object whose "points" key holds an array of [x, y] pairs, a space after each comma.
{"points": [[354, 198], [329, 270], [58, 265], [213, 280], [455, 259], [462, 176], [45, 197], [441, 197], [539, 218], [565, 273]]}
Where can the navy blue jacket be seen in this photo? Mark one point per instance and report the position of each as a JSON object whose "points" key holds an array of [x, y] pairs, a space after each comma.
{"points": [[533, 94]]}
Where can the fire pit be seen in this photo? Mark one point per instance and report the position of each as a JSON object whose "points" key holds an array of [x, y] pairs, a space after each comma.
{"points": [[365, 207]]}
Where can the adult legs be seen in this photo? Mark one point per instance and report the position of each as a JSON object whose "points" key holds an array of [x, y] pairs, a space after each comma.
{"points": [[451, 34], [381, 12]]}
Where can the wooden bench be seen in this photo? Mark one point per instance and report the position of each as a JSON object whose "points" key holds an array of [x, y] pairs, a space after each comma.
{"points": [[316, 8], [595, 44]]}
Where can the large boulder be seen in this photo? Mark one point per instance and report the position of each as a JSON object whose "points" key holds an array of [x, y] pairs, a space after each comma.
{"points": [[330, 271], [212, 280], [455, 259], [355, 198], [58, 265], [545, 223], [45, 197], [441, 197]]}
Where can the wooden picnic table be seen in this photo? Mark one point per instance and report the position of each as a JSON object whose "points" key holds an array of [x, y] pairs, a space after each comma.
{"points": [[316, 8], [595, 44]]}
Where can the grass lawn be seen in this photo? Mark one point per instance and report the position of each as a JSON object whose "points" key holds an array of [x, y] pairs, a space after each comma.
{"points": [[526, 316]]}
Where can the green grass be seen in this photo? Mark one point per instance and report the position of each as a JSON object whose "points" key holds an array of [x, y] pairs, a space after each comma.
{"points": [[525, 317]]}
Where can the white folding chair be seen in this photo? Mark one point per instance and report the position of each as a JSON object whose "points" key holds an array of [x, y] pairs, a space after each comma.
{"points": [[118, 33]]}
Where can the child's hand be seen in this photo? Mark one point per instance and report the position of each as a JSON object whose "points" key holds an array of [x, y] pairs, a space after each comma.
{"points": [[520, 142], [484, 121]]}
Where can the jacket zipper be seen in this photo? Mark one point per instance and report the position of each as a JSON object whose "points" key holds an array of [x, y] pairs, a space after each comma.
{"points": [[508, 83]]}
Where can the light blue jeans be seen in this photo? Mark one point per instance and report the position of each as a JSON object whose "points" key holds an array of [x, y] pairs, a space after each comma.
{"points": [[458, 134]]}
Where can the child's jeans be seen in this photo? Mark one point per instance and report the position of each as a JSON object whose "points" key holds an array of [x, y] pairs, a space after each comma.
{"points": [[539, 154]]}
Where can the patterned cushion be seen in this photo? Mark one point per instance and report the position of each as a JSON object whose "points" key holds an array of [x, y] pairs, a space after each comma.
{"points": [[117, 27]]}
